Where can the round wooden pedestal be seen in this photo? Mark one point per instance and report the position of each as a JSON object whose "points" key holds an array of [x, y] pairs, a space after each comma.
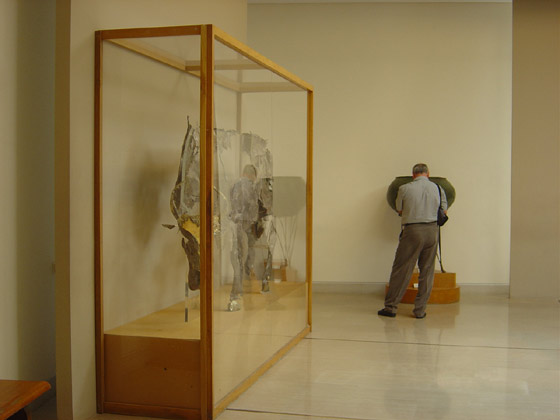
{"points": [[445, 289]]}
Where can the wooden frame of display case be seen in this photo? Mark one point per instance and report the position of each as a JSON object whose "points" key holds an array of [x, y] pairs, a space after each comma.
{"points": [[201, 377]]}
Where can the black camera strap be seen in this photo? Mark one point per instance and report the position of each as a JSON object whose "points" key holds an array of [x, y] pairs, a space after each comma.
{"points": [[439, 236]]}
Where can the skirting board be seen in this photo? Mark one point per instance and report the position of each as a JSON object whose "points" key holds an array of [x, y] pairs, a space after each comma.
{"points": [[379, 288]]}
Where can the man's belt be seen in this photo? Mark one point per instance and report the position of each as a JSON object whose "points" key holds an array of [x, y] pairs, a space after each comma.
{"points": [[421, 223]]}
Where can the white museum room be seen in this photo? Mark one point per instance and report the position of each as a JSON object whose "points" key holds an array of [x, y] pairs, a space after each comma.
{"points": [[228, 209]]}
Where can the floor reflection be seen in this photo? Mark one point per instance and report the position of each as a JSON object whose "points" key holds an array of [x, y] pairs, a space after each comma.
{"points": [[486, 356]]}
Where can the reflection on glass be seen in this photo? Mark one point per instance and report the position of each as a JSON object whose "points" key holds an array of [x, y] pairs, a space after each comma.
{"points": [[251, 214], [151, 239], [290, 193], [149, 168], [260, 290], [150, 164]]}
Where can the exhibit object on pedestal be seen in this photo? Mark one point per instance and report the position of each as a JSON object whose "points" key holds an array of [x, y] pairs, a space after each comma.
{"points": [[393, 189], [190, 315]]}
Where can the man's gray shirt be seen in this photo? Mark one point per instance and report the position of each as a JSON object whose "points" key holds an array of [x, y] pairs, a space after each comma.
{"points": [[244, 201], [419, 201]]}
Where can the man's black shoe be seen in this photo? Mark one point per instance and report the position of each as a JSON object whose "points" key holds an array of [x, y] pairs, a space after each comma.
{"points": [[420, 316], [386, 312]]}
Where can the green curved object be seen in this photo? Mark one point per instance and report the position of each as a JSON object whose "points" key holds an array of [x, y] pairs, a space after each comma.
{"points": [[401, 180]]}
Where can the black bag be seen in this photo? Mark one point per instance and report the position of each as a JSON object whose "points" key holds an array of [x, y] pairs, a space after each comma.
{"points": [[441, 216]]}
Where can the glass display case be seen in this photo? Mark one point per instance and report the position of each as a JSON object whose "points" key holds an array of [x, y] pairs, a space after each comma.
{"points": [[203, 206]]}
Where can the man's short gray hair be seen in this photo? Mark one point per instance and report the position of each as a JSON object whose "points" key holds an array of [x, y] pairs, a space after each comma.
{"points": [[420, 168]]}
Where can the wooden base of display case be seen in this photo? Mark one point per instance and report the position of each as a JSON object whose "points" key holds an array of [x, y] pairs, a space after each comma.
{"points": [[152, 364], [134, 364], [445, 289]]}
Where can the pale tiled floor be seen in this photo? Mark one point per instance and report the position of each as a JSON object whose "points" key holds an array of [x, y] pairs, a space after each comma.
{"points": [[487, 357]]}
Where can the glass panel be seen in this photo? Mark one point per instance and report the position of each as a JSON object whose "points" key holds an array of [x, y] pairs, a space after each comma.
{"points": [[260, 291], [150, 188]]}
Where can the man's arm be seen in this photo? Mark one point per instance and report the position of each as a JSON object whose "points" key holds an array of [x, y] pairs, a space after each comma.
{"points": [[443, 201], [399, 201]]}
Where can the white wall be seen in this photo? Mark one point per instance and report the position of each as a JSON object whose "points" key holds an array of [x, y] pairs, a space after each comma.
{"points": [[26, 190], [397, 84], [145, 109], [76, 22], [535, 224]]}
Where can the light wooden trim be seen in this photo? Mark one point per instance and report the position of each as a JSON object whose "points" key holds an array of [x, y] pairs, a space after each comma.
{"points": [[98, 225], [309, 210], [236, 65], [193, 68], [150, 32], [268, 87], [227, 83], [247, 383], [158, 55], [206, 219], [151, 411], [234, 44]]}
